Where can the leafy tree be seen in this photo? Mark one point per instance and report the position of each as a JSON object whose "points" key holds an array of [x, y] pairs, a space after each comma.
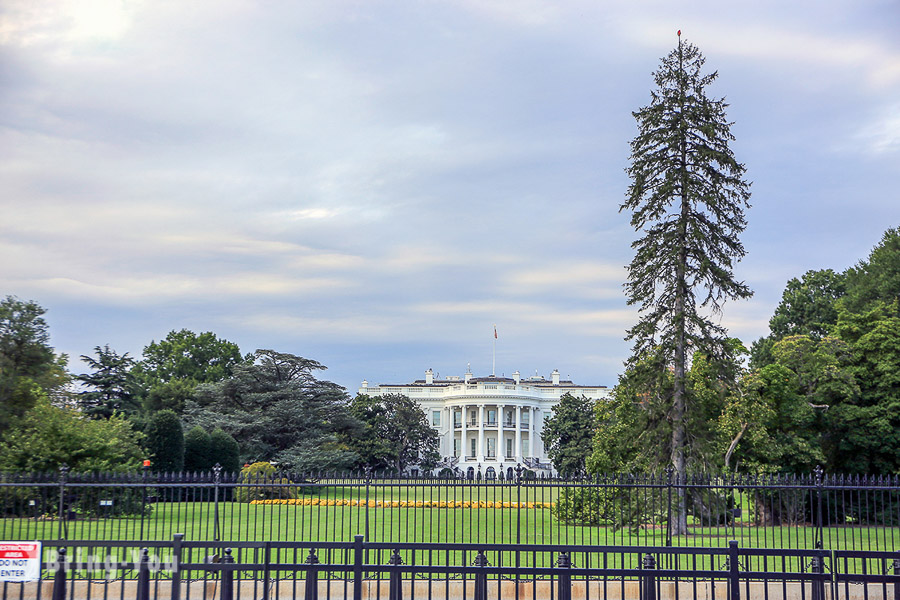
{"points": [[26, 358], [809, 306], [687, 199], [568, 435], [225, 451], [165, 441], [864, 428], [49, 436], [395, 433], [201, 358], [111, 386], [198, 454], [172, 395], [174, 366], [876, 279], [277, 410]]}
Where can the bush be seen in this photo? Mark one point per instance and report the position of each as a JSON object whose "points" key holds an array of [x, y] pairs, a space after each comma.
{"points": [[198, 454], [259, 481]]}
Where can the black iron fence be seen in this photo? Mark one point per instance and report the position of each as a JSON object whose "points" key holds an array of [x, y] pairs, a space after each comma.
{"points": [[359, 570], [813, 511]]}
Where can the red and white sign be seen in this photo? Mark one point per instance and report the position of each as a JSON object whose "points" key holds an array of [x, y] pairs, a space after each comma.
{"points": [[20, 561]]}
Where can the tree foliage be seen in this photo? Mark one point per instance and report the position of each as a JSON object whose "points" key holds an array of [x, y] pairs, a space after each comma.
{"points": [[687, 199], [568, 435], [49, 436], [395, 433], [111, 387], [173, 367], [28, 365], [277, 410], [165, 441]]}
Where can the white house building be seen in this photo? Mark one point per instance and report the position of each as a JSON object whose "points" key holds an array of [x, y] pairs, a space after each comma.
{"points": [[489, 424]]}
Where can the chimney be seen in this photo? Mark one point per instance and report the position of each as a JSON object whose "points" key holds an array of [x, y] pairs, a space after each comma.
{"points": [[429, 377], [517, 376], [555, 376], [468, 373], [365, 384]]}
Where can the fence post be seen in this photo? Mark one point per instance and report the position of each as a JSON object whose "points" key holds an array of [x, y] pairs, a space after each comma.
{"points": [[648, 587], [311, 590], [63, 527], [144, 469], [368, 482], [480, 577], [395, 591], [143, 580], [59, 578], [519, 506], [227, 576], [817, 566], [357, 566], [564, 562], [819, 525], [267, 558], [669, 470], [734, 580], [177, 539], [217, 479], [897, 572]]}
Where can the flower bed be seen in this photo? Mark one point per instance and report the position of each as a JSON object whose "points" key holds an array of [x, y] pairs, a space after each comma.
{"points": [[404, 503]]}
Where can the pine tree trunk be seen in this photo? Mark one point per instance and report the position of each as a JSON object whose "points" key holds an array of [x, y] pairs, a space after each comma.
{"points": [[679, 512]]}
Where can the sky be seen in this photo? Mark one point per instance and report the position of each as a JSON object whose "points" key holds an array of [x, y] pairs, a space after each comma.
{"points": [[375, 185]]}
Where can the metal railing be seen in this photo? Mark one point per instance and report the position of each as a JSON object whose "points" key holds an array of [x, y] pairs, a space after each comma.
{"points": [[343, 570], [813, 511]]}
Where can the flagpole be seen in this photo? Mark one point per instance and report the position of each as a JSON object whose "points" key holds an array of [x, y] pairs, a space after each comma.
{"points": [[494, 353]]}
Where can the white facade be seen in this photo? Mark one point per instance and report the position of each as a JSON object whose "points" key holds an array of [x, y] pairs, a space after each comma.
{"points": [[489, 424]]}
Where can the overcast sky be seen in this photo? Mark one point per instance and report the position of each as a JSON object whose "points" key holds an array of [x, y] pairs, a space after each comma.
{"points": [[374, 185]]}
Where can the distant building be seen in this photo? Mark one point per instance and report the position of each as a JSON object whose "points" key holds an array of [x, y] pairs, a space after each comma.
{"points": [[491, 423]]}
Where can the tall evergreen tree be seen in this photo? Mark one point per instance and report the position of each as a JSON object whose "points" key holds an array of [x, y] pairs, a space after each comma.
{"points": [[111, 387], [687, 199]]}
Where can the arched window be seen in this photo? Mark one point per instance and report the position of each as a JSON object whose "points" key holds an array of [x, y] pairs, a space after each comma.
{"points": [[510, 474], [490, 473], [470, 473]]}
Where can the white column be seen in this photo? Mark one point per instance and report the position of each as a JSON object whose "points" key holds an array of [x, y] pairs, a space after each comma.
{"points": [[481, 433], [501, 449], [451, 433], [463, 450], [518, 449], [531, 445]]}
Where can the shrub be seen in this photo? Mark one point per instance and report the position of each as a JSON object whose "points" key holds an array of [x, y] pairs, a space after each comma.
{"points": [[260, 481]]}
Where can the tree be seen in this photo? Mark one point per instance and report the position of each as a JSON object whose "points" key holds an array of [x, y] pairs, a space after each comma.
{"points": [[26, 358], [876, 279], [198, 454], [174, 366], [809, 306], [395, 433], [165, 441], [568, 435], [111, 387], [225, 451], [49, 436], [277, 410], [687, 199]]}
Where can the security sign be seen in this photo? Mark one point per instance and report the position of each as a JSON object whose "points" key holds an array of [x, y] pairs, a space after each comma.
{"points": [[20, 561]]}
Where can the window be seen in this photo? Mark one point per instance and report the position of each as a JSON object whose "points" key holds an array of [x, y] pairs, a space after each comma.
{"points": [[492, 417], [473, 448], [509, 448], [525, 447], [436, 418], [455, 447], [457, 418], [491, 447]]}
